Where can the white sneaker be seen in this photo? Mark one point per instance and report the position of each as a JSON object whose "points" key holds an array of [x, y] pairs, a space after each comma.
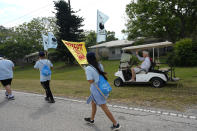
{"points": [[10, 97]]}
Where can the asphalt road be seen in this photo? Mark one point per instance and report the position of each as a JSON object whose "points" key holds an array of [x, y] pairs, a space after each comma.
{"points": [[29, 112]]}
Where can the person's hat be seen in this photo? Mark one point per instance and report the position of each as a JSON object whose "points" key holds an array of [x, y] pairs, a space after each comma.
{"points": [[41, 54], [1, 56]]}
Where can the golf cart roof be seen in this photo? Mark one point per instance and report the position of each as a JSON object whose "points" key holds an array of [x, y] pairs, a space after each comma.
{"points": [[147, 46]]}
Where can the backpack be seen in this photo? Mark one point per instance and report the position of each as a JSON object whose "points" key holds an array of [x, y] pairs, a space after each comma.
{"points": [[45, 71], [103, 86]]}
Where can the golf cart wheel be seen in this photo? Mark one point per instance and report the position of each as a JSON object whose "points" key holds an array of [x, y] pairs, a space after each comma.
{"points": [[157, 82], [118, 82]]}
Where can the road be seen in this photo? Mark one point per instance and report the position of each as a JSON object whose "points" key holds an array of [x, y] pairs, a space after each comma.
{"points": [[29, 112]]}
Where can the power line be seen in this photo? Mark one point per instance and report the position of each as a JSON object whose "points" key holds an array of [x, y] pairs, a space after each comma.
{"points": [[36, 10]]}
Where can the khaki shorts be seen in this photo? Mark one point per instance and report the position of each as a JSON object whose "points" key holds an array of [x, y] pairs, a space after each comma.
{"points": [[137, 70]]}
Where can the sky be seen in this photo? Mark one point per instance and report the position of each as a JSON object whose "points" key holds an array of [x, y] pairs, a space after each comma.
{"points": [[15, 12]]}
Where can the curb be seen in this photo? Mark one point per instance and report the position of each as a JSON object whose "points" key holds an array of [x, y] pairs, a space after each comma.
{"points": [[121, 107]]}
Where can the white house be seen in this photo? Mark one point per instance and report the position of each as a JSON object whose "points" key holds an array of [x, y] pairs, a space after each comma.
{"points": [[111, 50]]}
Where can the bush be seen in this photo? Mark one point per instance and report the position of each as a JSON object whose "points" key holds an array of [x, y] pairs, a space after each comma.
{"points": [[184, 53]]}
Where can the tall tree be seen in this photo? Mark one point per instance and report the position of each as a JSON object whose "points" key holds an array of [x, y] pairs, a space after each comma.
{"points": [[69, 25], [169, 19]]}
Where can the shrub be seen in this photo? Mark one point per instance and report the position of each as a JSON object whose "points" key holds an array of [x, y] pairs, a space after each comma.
{"points": [[184, 53]]}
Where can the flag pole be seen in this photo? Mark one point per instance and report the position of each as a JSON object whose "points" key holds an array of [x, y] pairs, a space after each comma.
{"points": [[97, 36]]}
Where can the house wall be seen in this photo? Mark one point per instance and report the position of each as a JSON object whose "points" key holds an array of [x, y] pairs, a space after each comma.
{"points": [[115, 53], [112, 53]]}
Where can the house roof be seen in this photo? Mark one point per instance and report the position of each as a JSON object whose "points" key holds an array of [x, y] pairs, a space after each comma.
{"points": [[32, 54], [147, 46], [113, 44]]}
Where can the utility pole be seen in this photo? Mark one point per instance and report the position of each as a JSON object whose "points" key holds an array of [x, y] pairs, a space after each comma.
{"points": [[69, 6]]}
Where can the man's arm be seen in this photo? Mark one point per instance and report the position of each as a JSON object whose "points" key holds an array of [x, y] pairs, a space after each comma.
{"points": [[139, 58]]}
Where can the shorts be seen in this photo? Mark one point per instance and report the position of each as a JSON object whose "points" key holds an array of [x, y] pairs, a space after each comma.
{"points": [[6, 82], [137, 70]]}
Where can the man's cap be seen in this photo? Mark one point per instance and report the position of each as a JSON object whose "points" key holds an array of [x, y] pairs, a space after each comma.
{"points": [[41, 54]]}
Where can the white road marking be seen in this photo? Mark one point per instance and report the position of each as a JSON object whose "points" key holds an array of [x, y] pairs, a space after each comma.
{"points": [[116, 106]]}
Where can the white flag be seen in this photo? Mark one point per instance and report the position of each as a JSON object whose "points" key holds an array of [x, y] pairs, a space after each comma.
{"points": [[45, 41], [101, 33], [52, 41]]}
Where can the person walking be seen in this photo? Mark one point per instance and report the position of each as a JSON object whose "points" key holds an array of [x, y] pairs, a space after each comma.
{"points": [[96, 97], [45, 65], [6, 75]]}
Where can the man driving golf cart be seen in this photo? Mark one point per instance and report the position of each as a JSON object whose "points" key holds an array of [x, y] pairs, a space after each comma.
{"points": [[143, 67], [145, 73]]}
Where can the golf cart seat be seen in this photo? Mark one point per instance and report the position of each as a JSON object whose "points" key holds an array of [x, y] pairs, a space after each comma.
{"points": [[125, 61], [142, 72]]}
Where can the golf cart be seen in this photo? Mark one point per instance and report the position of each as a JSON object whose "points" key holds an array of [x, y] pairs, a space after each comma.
{"points": [[156, 77]]}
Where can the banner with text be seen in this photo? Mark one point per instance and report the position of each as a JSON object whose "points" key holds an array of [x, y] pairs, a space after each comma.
{"points": [[78, 50]]}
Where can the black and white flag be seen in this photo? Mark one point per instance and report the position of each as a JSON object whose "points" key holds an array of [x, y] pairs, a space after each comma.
{"points": [[101, 20]]}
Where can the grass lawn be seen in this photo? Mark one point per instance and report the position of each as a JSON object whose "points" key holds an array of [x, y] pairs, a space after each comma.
{"points": [[69, 81]]}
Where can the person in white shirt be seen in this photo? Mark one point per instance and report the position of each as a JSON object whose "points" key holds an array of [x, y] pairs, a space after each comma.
{"points": [[144, 66], [45, 80], [6, 75]]}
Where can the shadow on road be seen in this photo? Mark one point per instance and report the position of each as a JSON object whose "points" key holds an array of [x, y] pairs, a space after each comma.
{"points": [[44, 110], [94, 127], [4, 102]]}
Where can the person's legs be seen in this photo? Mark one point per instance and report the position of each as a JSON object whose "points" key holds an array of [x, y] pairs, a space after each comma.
{"points": [[44, 85], [8, 89], [94, 109], [7, 84], [49, 93], [108, 113], [133, 74]]}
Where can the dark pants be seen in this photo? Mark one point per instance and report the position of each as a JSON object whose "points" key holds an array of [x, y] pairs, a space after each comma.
{"points": [[46, 86], [6, 82]]}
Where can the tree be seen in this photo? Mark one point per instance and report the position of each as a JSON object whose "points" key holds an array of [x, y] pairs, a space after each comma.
{"points": [[69, 25], [169, 19], [26, 38], [4, 34], [111, 36], [184, 54], [90, 37]]}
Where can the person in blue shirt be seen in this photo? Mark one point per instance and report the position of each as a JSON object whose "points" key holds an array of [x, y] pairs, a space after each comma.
{"points": [[45, 80], [6, 75], [96, 97]]}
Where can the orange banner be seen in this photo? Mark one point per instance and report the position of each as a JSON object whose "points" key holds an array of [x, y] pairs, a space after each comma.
{"points": [[78, 50]]}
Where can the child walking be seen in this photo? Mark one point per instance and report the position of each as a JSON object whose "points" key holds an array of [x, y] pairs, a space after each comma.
{"points": [[45, 79], [96, 98], [6, 76]]}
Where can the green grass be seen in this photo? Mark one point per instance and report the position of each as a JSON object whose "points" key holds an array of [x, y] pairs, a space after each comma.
{"points": [[69, 81]]}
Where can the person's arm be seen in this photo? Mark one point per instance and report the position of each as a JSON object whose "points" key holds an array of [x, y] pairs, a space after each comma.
{"points": [[91, 81], [51, 65], [89, 76], [139, 58], [36, 66], [12, 65]]}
